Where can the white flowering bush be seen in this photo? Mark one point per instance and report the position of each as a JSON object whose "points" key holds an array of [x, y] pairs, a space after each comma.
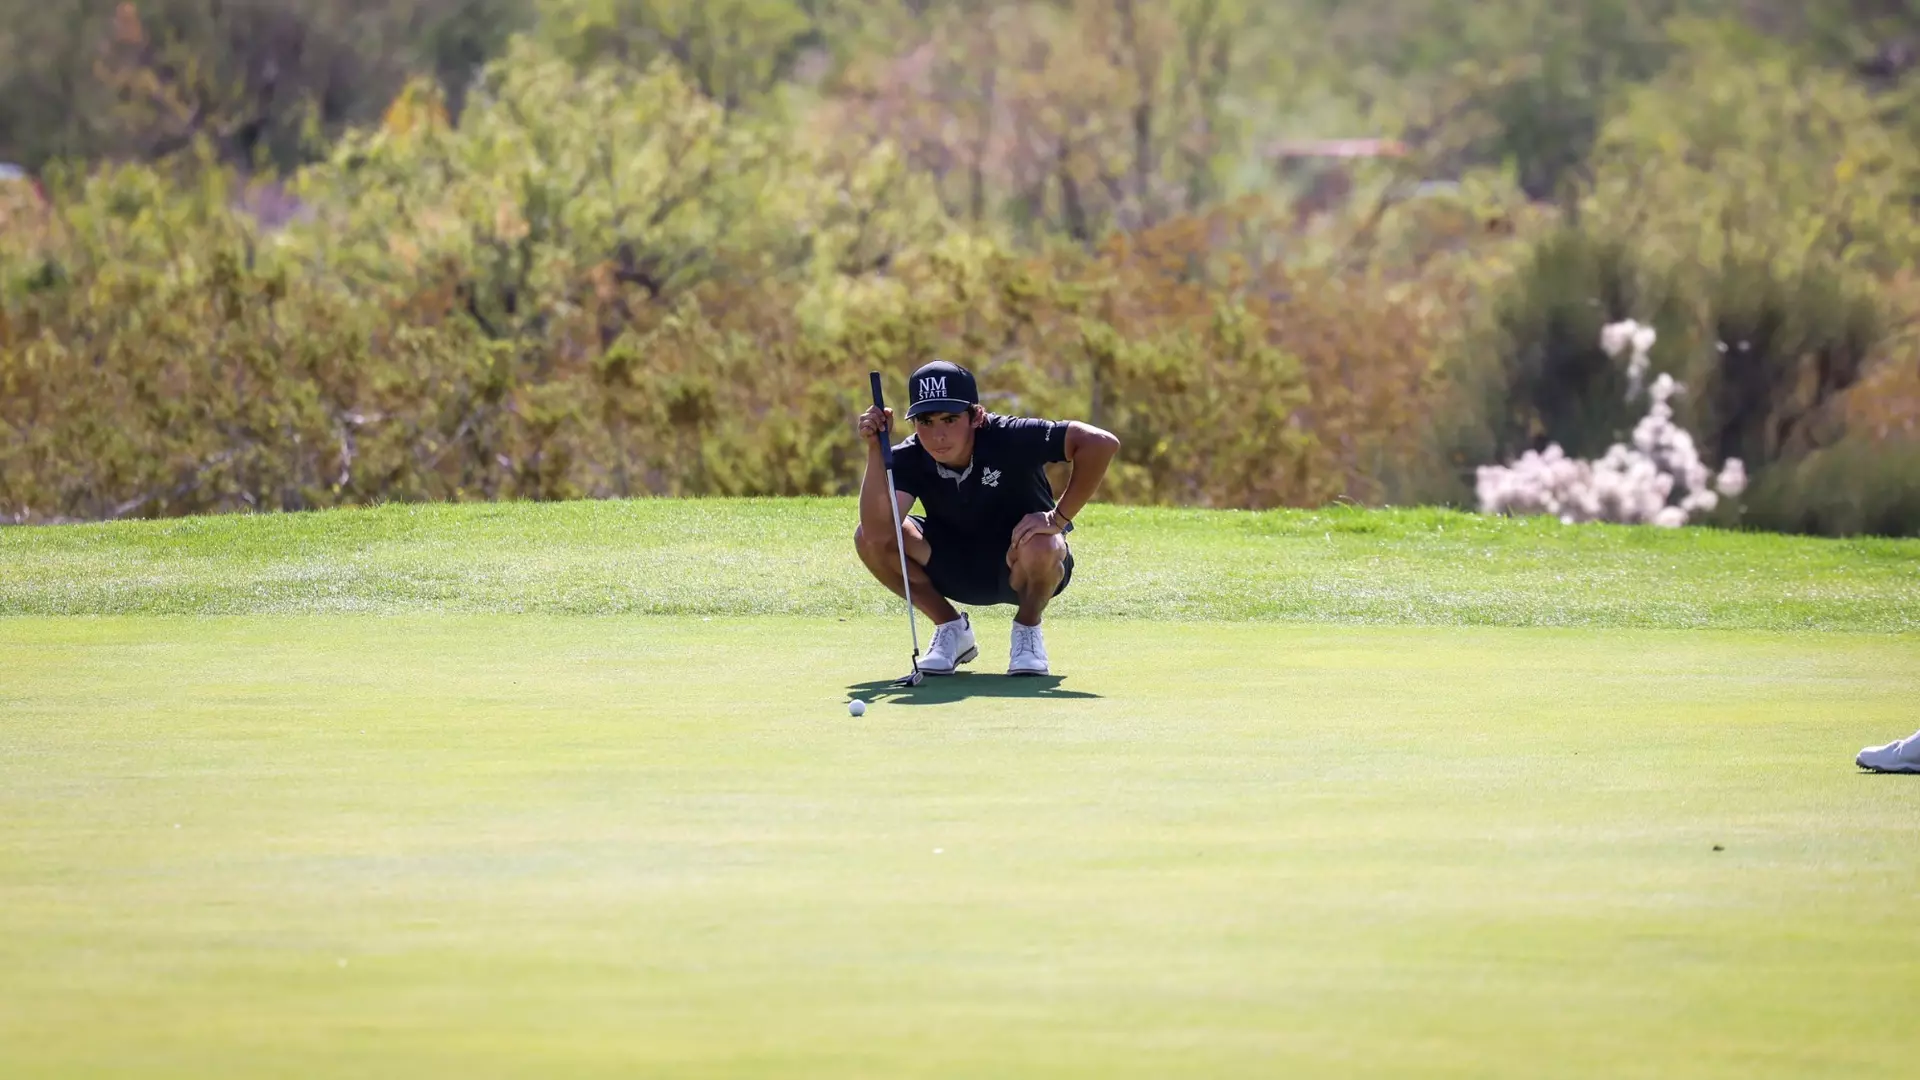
{"points": [[1658, 480]]}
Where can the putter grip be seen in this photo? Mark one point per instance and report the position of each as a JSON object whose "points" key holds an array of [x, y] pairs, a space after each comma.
{"points": [[886, 433]]}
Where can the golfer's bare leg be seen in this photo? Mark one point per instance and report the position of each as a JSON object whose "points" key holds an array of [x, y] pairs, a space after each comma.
{"points": [[883, 561], [1037, 567]]}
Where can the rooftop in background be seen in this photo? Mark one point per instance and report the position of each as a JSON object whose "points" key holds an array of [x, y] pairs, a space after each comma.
{"points": [[23, 202]]}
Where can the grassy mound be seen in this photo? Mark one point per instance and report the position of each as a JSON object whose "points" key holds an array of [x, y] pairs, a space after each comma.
{"points": [[793, 557]]}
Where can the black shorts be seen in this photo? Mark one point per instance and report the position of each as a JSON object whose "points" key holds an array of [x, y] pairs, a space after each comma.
{"points": [[968, 571]]}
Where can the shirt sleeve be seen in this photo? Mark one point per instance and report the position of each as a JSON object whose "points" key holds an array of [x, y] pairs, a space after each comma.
{"points": [[1041, 442]]}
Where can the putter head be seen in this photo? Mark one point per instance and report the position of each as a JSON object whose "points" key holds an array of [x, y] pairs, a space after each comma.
{"points": [[910, 680]]}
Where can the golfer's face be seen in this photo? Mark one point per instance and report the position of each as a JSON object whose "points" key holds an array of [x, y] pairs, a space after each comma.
{"points": [[947, 436]]}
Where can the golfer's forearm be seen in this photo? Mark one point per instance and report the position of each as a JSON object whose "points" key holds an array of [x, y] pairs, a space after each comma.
{"points": [[874, 513], [1089, 468], [1090, 450]]}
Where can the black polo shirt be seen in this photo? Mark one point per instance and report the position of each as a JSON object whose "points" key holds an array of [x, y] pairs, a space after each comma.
{"points": [[1006, 481]]}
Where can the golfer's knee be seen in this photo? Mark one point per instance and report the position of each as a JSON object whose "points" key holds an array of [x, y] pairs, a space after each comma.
{"points": [[1041, 554], [877, 546]]}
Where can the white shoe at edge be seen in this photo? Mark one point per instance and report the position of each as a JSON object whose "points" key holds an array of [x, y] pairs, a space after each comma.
{"points": [[1895, 757]]}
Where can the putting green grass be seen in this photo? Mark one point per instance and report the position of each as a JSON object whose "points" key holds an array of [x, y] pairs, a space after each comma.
{"points": [[376, 798]]}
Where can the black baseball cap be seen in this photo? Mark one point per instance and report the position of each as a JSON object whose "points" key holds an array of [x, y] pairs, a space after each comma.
{"points": [[941, 387]]}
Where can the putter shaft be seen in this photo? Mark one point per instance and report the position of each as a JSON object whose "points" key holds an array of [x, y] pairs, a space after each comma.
{"points": [[906, 583], [899, 535]]}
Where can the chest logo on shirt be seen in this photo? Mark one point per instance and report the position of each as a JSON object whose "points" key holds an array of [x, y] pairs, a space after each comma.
{"points": [[990, 477]]}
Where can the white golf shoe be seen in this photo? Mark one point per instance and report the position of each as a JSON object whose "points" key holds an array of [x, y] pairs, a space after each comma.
{"points": [[952, 646], [1895, 757], [1029, 653]]}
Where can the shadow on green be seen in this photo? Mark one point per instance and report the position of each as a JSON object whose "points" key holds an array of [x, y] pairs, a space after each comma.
{"points": [[946, 689]]}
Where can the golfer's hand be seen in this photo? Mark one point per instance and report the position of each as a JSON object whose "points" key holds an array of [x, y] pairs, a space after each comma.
{"points": [[1039, 524], [874, 421]]}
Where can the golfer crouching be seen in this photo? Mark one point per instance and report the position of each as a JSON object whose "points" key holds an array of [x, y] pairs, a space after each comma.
{"points": [[992, 533]]}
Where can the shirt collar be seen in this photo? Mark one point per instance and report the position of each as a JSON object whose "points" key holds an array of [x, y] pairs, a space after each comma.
{"points": [[948, 474]]}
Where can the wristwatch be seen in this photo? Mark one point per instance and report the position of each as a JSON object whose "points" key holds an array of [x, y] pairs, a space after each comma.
{"points": [[1066, 523]]}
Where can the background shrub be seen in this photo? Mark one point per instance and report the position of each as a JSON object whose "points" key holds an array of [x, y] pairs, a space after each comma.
{"points": [[468, 249]]}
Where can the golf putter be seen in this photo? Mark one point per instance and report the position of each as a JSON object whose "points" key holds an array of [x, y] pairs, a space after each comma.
{"points": [[899, 538]]}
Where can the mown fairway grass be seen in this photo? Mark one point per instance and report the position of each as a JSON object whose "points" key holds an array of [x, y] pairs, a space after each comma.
{"points": [[572, 791]]}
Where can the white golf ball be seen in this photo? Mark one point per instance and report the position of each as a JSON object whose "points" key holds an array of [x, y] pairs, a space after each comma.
{"points": [[857, 707]]}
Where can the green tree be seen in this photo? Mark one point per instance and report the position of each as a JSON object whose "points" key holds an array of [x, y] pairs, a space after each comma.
{"points": [[735, 51], [265, 80]]}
